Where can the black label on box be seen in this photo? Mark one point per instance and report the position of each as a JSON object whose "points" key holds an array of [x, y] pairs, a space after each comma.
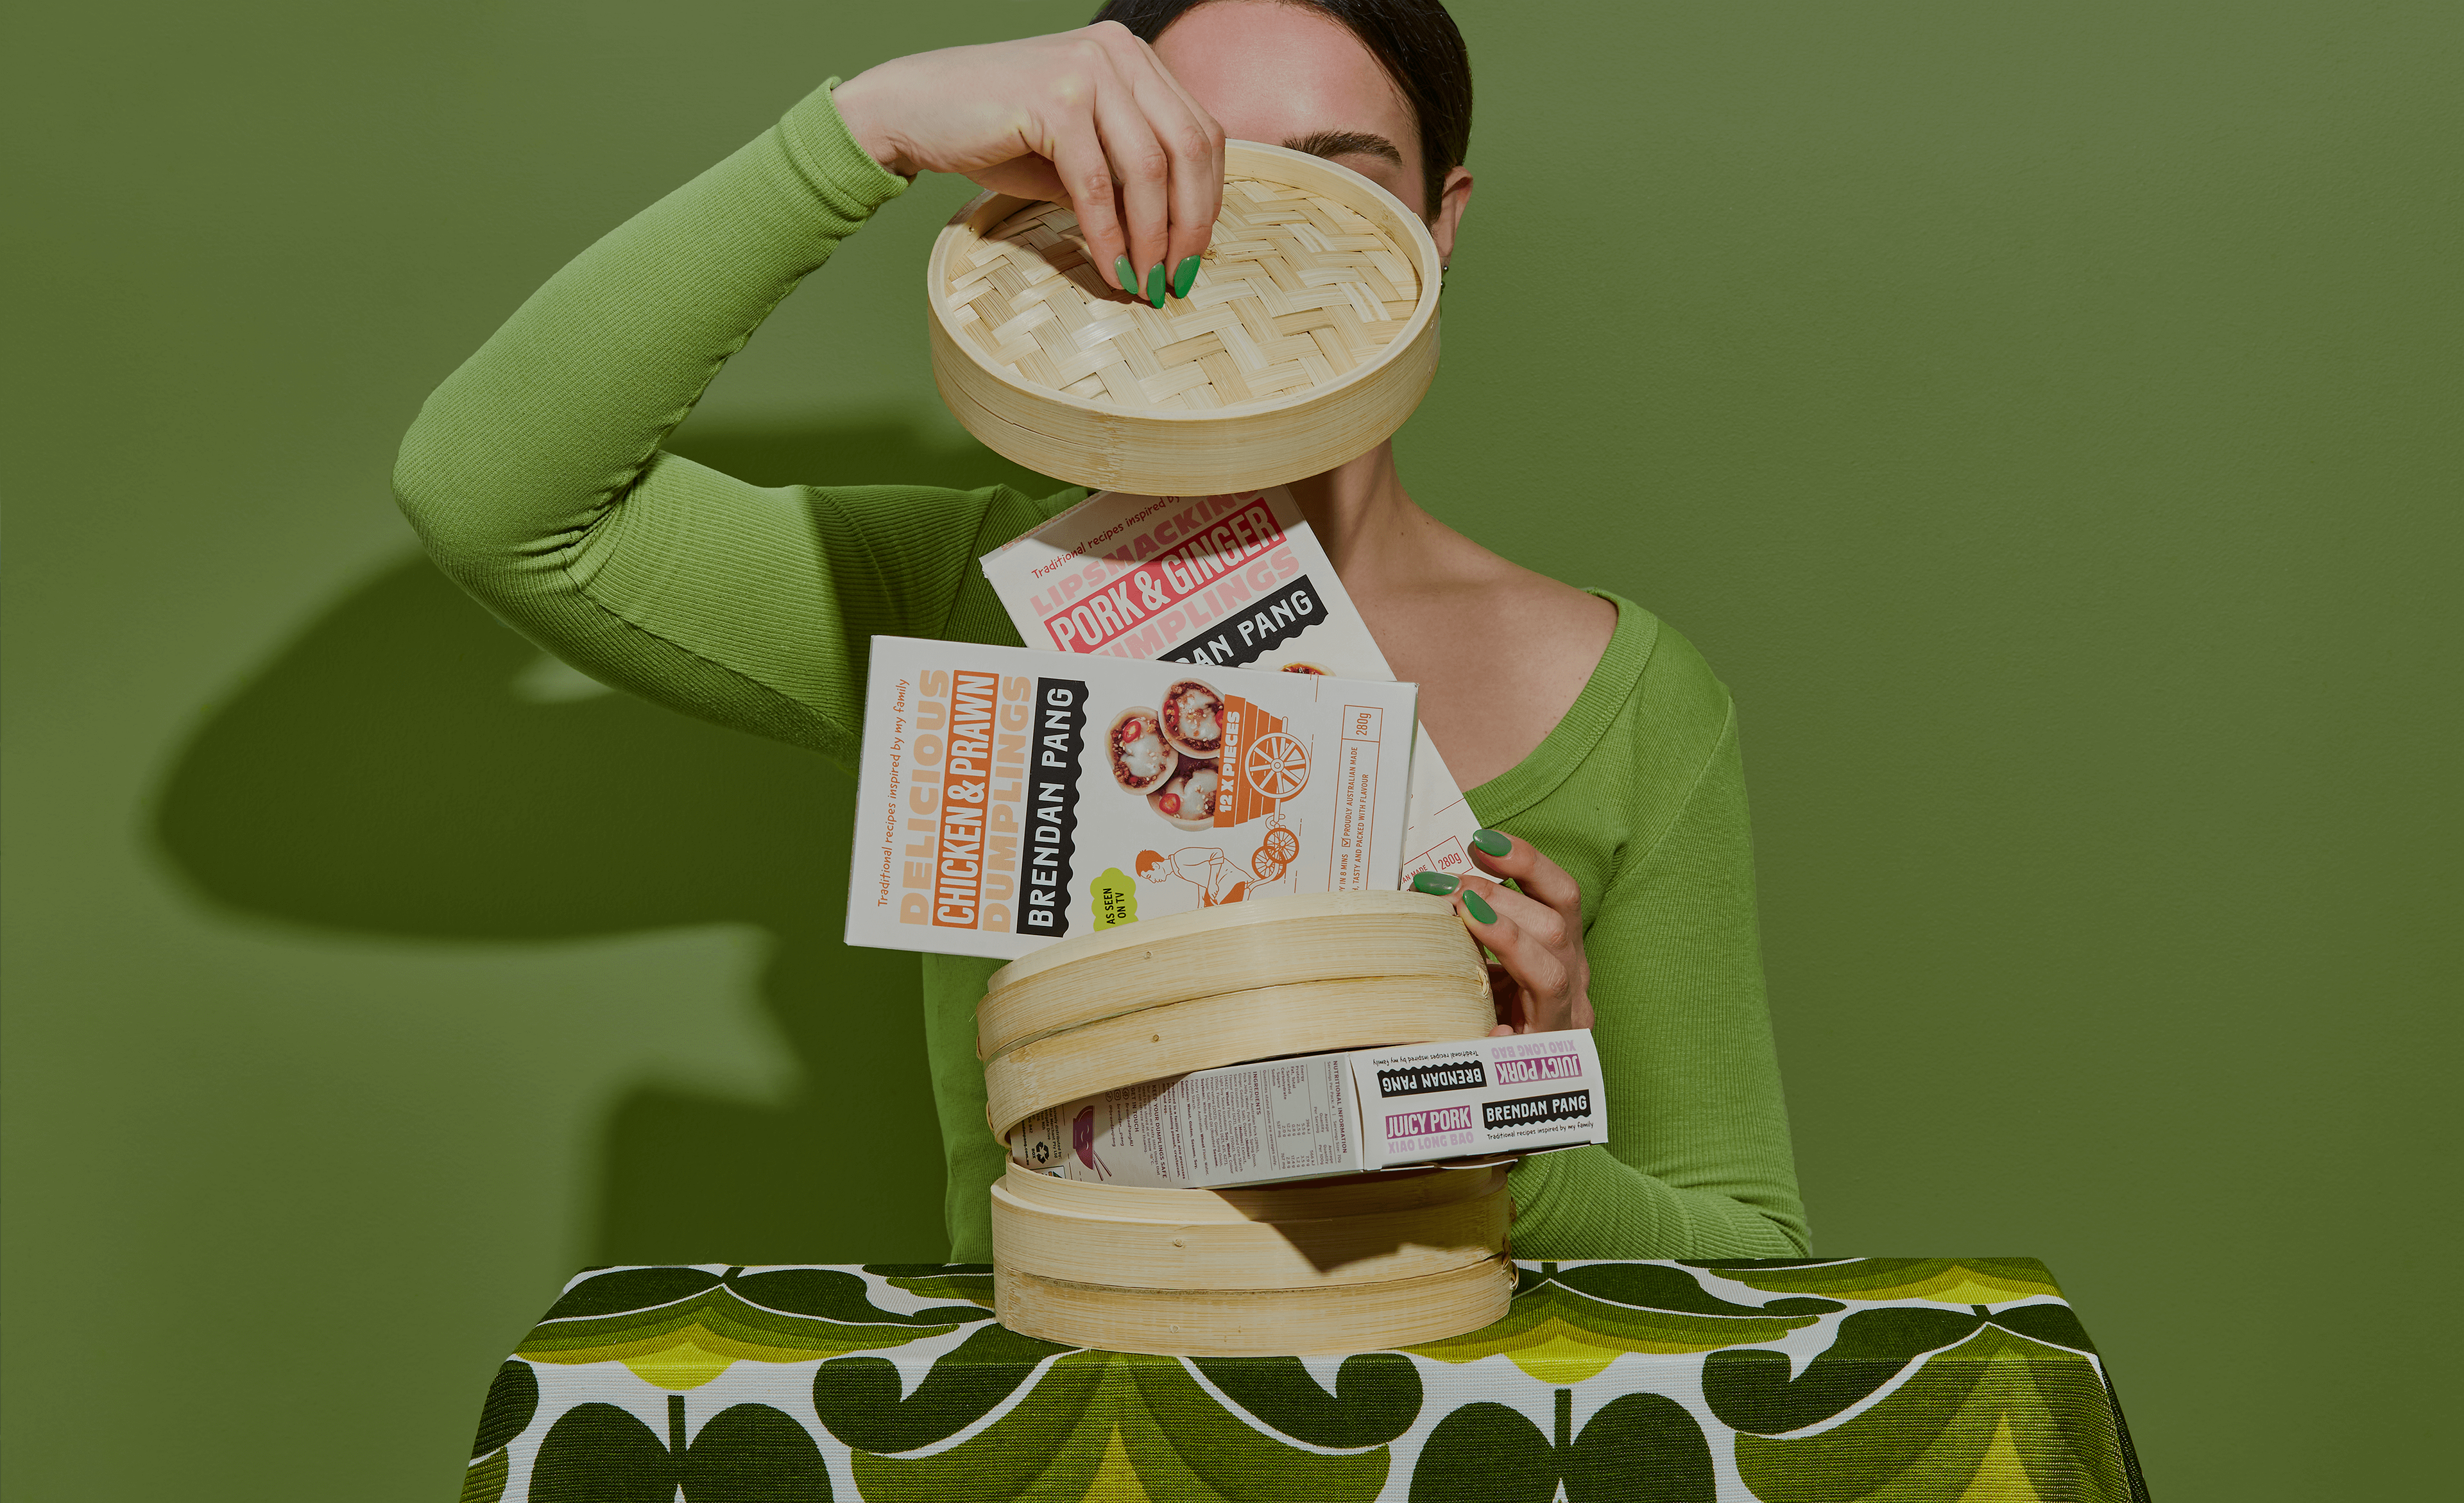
{"points": [[1267, 624], [1052, 804], [1524, 1111], [1411, 1080]]}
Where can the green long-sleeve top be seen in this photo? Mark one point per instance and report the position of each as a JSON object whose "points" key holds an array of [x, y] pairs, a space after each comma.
{"points": [[536, 476]]}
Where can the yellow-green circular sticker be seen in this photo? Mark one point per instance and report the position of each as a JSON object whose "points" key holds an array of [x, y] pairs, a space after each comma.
{"points": [[1116, 898]]}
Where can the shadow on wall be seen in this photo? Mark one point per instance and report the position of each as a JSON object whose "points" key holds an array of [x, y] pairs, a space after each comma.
{"points": [[411, 767]]}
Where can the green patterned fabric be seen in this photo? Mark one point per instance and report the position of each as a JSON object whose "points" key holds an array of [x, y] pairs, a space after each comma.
{"points": [[1890, 1380]]}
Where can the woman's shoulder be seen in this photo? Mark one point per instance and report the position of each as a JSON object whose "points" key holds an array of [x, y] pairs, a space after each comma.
{"points": [[1671, 681], [1552, 629], [1610, 655]]}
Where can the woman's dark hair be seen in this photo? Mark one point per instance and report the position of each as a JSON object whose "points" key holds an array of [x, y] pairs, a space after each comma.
{"points": [[1414, 39]]}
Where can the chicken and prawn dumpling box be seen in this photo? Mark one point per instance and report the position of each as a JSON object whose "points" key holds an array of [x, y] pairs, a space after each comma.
{"points": [[1007, 798], [1362, 1110]]}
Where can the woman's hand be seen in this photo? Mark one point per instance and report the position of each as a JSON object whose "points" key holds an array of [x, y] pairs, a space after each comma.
{"points": [[1540, 979], [1086, 118]]}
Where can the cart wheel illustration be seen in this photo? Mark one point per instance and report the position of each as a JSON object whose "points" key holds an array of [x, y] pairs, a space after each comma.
{"points": [[1283, 845], [1276, 765], [1262, 862]]}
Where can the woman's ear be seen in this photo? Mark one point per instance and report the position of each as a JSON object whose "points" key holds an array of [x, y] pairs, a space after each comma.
{"points": [[1452, 199]]}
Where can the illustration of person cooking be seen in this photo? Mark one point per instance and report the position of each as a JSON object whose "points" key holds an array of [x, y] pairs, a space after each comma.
{"points": [[1215, 875]]}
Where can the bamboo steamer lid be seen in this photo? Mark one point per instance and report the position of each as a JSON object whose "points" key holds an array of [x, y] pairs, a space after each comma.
{"points": [[1309, 335], [1344, 1233], [1203, 1032], [1237, 947]]}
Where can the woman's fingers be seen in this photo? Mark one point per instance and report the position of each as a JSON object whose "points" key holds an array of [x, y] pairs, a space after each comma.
{"points": [[1524, 936], [1086, 174], [1128, 148], [1167, 156], [1541, 980], [1195, 146], [1521, 862], [1196, 143], [1142, 171]]}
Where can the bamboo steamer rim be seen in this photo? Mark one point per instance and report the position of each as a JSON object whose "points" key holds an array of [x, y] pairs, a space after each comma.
{"points": [[1205, 1032], [1293, 1200], [1361, 1247], [1275, 942], [1147, 933], [1243, 160], [1311, 1320]]}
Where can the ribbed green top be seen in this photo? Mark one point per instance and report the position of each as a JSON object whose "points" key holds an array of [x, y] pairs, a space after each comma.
{"points": [[536, 476]]}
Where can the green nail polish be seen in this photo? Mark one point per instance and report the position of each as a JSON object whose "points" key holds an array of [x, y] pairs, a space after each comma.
{"points": [[1478, 909], [1154, 284], [1129, 278], [1495, 843], [1436, 884], [1186, 278]]}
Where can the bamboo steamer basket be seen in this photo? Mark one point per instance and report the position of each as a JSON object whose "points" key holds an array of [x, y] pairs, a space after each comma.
{"points": [[1350, 1265], [1267, 941], [1307, 974], [1361, 1229], [1260, 1023], [1309, 335]]}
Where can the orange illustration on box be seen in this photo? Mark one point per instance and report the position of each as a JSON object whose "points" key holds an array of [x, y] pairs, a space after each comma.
{"points": [[1205, 867]]}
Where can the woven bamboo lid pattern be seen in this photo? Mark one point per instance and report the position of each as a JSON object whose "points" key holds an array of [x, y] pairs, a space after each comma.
{"points": [[1307, 336], [1295, 289]]}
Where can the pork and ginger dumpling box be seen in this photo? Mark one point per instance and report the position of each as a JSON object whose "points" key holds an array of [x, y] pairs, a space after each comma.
{"points": [[1007, 798], [1215, 582]]}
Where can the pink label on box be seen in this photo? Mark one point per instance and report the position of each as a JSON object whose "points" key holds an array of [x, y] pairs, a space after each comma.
{"points": [[1547, 1067], [1405, 1125]]}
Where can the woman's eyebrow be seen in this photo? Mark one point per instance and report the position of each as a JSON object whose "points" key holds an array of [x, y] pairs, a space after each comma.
{"points": [[1345, 143]]}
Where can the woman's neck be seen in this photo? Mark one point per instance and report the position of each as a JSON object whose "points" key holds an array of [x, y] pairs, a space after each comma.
{"points": [[1488, 696], [1372, 531]]}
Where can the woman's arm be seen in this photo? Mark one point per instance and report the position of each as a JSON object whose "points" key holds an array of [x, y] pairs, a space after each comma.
{"points": [[1697, 1162], [535, 472]]}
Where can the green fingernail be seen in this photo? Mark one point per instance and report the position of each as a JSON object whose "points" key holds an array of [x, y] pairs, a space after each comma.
{"points": [[1154, 284], [1186, 278], [1129, 278], [1495, 843], [1436, 884], [1478, 909]]}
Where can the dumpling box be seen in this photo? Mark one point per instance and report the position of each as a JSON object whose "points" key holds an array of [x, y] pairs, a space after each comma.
{"points": [[1319, 1115], [1214, 581], [1007, 798]]}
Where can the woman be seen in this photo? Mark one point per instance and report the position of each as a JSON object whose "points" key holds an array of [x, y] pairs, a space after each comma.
{"points": [[1582, 727]]}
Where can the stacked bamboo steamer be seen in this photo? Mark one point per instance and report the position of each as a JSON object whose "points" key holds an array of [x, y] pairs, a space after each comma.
{"points": [[1352, 1264], [1309, 335]]}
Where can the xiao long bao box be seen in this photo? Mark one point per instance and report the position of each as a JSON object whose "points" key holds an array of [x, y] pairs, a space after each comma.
{"points": [[1007, 797], [1327, 1114]]}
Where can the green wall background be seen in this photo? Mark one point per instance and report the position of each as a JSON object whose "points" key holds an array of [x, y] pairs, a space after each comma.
{"points": [[2044, 415]]}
